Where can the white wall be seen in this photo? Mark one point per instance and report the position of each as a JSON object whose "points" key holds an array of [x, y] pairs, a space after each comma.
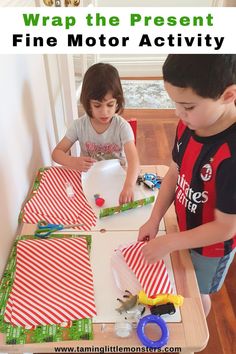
{"points": [[140, 3], [26, 136], [9, 3], [161, 3]]}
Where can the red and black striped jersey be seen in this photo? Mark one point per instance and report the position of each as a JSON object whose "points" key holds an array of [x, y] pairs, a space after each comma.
{"points": [[206, 181]]}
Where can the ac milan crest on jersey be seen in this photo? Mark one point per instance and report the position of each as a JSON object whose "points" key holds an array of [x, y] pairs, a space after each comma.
{"points": [[206, 172]]}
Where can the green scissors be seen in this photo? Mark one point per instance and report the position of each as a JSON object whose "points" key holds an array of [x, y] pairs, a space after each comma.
{"points": [[44, 229]]}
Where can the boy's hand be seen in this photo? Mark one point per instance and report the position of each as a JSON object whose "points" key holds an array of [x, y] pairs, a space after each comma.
{"points": [[148, 231], [82, 163], [156, 249], [126, 195]]}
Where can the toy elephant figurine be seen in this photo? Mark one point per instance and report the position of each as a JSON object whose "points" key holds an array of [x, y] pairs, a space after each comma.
{"points": [[129, 303]]}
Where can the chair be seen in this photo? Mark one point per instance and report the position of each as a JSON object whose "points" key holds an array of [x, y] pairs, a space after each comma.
{"points": [[133, 123]]}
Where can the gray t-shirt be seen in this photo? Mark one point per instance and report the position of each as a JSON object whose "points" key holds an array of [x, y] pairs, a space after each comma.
{"points": [[104, 146]]}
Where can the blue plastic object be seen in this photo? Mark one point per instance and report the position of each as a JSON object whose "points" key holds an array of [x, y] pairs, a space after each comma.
{"points": [[147, 341], [44, 229], [152, 180]]}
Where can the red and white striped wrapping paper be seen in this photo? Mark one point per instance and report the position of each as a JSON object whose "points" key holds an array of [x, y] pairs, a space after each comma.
{"points": [[53, 283], [153, 278], [52, 204]]}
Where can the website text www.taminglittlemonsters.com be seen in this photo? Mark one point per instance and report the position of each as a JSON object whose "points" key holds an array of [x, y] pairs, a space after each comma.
{"points": [[115, 349]]}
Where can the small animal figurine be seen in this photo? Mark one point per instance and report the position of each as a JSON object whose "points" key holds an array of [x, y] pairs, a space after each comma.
{"points": [[127, 304], [72, 2], [48, 2]]}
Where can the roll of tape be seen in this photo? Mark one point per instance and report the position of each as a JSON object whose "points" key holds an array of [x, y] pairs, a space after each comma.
{"points": [[147, 341]]}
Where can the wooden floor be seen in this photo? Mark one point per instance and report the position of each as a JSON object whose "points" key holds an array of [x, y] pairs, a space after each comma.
{"points": [[155, 136]]}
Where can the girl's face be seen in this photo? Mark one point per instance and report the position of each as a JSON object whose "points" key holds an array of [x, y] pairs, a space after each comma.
{"points": [[196, 112], [103, 111]]}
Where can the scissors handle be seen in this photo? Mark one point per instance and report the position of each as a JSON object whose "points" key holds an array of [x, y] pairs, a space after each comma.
{"points": [[43, 225], [45, 229]]}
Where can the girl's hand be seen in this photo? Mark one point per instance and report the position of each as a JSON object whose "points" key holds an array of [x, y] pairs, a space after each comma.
{"points": [[156, 249], [126, 195], [82, 163], [148, 231]]}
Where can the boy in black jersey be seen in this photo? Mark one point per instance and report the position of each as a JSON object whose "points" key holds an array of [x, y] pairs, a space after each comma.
{"points": [[202, 176]]}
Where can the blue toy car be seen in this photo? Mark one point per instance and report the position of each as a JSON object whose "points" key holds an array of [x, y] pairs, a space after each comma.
{"points": [[151, 180]]}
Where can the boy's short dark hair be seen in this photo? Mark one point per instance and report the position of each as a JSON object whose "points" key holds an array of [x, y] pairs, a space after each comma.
{"points": [[208, 75], [100, 79]]}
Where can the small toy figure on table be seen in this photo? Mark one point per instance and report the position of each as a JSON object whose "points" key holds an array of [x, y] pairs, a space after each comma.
{"points": [[150, 180], [98, 200]]}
